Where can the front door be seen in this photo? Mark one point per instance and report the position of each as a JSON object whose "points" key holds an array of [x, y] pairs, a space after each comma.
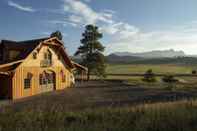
{"points": [[51, 81], [47, 81]]}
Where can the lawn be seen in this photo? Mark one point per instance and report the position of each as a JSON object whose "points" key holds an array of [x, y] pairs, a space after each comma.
{"points": [[103, 106], [164, 69], [157, 69]]}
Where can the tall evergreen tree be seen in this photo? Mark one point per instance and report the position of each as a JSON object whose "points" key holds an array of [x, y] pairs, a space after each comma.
{"points": [[91, 51], [57, 34]]}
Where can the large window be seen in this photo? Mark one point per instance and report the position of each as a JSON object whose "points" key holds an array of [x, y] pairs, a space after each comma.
{"points": [[47, 60], [48, 56]]}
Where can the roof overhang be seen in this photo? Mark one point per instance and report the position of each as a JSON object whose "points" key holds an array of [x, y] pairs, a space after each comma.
{"points": [[7, 73], [10, 64], [79, 66], [8, 68]]}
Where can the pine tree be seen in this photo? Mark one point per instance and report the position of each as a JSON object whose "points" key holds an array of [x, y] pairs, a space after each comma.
{"points": [[57, 34], [91, 51]]}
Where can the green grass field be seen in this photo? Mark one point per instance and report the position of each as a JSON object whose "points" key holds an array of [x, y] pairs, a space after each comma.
{"points": [[160, 69], [130, 68]]}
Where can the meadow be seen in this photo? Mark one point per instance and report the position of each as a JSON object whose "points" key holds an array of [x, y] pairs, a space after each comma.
{"points": [[142, 68], [103, 106], [177, 116], [165, 69], [113, 104]]}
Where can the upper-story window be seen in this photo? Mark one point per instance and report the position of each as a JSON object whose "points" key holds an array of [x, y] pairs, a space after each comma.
{"points": [[47, 60], [34, 55]]}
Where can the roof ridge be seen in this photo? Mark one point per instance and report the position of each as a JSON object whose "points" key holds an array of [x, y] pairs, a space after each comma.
{"points": [[24, 41], [5, 40]]}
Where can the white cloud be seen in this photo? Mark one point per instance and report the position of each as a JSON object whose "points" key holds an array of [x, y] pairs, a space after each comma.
{"points": [[64, 23], [122, 30], [21, 7], [178, 38], [75, 19], [87, 15], [88, 1], [109, 11]]}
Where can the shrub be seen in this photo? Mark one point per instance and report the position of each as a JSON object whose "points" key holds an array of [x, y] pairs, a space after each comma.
{"points": [[194, 72], [149, 76], [169, 79]]}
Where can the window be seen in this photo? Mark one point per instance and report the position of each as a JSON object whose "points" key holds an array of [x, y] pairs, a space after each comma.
{"points": [[34, 55], [48, 55], [47, 60], [63, 76], [40, 79], [45, 56], [43, 79], [27, 83]]}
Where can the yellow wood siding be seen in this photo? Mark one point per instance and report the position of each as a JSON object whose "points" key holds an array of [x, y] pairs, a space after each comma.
{"points": [[32, 66]]}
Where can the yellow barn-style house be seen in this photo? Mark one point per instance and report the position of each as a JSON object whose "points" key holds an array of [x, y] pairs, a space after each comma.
{"points": [[35, 66]]}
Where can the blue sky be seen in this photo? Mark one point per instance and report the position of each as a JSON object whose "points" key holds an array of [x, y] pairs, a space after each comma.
{"points": [[127, 25]]}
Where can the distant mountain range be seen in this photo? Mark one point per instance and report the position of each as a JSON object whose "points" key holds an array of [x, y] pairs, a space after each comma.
{"points": [[153, 54], [153, 57]]}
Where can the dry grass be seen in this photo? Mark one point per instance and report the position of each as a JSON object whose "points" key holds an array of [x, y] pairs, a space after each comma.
{"points": [[103, 106], [179, 116]]}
